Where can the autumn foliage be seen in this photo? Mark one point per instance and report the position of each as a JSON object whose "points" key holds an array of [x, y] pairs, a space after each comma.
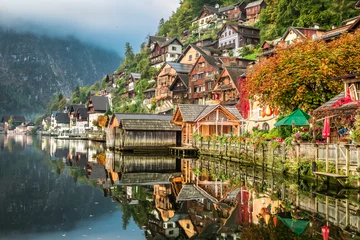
{"points": [[299, 76], [101, 121]]}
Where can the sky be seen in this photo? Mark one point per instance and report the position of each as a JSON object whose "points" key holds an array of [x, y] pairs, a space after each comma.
{"points": [[105, 23]]}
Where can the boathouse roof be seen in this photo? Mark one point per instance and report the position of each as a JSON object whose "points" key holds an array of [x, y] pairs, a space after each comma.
{"points": [[129, 179], [149, 125], [123, 116], [191, 192]]}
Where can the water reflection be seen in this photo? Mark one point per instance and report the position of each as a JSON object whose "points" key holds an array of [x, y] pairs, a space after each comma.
{"points": [[66, 182]]}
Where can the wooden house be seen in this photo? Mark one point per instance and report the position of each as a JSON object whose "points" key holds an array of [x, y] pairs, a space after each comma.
{"points": [[165, 78], [227, 90], [253, 10], [142, 131], [232, 37], [164, 50], [235, 12], [131, 81], [357, 5], [202, 78], [193, 52], [349, 25], [98, 105], [209, 17], [179, 89], [268, 47], [207, 120], [342, 108], [298, 34]]}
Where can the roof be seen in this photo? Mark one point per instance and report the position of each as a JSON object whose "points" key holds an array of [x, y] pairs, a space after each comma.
{"points": [[97, 172], [235, 72], [129, 179], [184, 78], [53, 113], [149, 90], [192, 192], [157, 39], [15, 118], [179, 67], [230, 7], [169, 41], [357, 5], [149, 125], [100, 103], [211, 9], [253, 4], [141, 116], [135, 75], [190, 112], [62, 118], [83, 112], [331, 102], [213, 61], [195, 112], [75, 107]]}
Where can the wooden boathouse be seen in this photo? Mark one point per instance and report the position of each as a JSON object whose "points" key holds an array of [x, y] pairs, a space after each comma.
{"points": [[142, 132]]}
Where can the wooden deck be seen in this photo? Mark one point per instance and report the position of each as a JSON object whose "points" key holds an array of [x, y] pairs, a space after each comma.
{"points": [[339, 178], [184, 151]]}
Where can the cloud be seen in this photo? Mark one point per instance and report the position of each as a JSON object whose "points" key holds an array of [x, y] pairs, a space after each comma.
{"points": [[107, 23]]}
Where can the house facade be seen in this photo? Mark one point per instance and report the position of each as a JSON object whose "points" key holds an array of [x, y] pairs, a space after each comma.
{"points": [[165, 78], [232, 37], [97, 106], [207, 120], [202, 78], [164, 50], [253, 10], [209, 17], [235, 12], [179, 89], [227, 90], [82, 120], [131, 81]]}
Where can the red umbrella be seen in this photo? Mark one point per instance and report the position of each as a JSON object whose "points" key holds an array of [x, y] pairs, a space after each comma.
{"points": [[326, 129]]}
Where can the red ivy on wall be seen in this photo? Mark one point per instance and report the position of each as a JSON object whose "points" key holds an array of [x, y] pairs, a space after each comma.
{"points": [[244, 104]]}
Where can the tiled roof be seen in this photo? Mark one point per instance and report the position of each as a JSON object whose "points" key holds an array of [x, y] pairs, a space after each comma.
{"points": [[101, 103], [213, 61], [83, 113], [75, 107], [206, 111], [157, 39], [193, 192], [331, 101], [180, 68], [62, 118], [144, 178], [227, 8], [168, 42], [212, 9], [253, 4], [126, 116], [190, 112], [149, 125], [234, 111], [97, 172], [136, 75], [184, 78], [235, 73]]}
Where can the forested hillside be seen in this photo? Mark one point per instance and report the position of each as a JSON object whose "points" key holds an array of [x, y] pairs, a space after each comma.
{"points": [[274, 19]]}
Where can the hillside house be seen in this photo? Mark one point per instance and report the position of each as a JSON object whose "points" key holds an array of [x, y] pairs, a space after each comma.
{"points": [[235, 12], [62, 122], [227, 90], [72, 110], [98, 105], [233, 37], [149, 95], [349, 25], [193, 52], [253, 10], [164, 50], [202, 78], [165, 78], [268, 47], [209, 17], [179, 89], [298, 34], [131, 81], [207, 120]]}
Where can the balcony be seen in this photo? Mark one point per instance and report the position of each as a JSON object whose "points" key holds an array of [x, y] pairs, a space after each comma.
{"points": [[210, 102]]}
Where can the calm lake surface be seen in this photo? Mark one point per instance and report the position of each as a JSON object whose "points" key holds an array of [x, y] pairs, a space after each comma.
{"points": [[57, 189]]}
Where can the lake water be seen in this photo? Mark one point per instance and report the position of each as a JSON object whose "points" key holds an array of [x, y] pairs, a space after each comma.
{"points": [[57, 189]]}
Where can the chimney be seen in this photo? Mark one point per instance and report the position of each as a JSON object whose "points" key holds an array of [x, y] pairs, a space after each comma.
{"points": [[217, 5], [316, 26]]}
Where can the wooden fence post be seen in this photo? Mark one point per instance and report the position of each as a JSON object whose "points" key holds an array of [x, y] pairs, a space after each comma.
{"points": [[327, 158], [347, 147], [337, 158]]}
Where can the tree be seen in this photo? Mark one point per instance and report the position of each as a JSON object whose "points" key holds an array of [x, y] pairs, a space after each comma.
{"points": [[10, 122], [299, 75], [161, 22]]}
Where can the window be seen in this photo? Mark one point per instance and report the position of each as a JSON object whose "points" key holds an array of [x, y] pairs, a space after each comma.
{"points": [[202, 88], [265, 127], [202, 64], [171, 232], [190, 57], [209, 85], [225, 34], [197, 55], [173, 48], [189, 89], [197, 67], [229, 33], [187, 225], [260, 113]]}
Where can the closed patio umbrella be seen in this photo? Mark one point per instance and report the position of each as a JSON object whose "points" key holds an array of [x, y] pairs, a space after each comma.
{"points": [[326, 129]]}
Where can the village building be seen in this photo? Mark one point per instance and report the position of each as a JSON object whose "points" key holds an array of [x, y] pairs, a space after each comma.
{"points": [[349, 25], [62, 122], [165, 78], [235, 12], [209, 17], [193, 52], [46, 123], [202, 78], [207, 120], [11, 122], [298, 34], [268, 47], [341, 109], [149, 97], [72, 110], [111, 79], [142, 131], [232, 37], [253, 10], [131, 81], [97, 106], [227, 90], [179, 89], [81, 120], [164, 50]]}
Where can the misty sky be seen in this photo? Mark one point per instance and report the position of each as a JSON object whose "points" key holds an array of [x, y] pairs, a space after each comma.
{"points": [[107, 23]]}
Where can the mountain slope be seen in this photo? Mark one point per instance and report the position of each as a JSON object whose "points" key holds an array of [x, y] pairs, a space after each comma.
{"points": [[33, 68]]}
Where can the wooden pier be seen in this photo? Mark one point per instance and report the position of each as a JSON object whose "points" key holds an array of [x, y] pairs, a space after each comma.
{"points": [[183, 151], [339, 178]]}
